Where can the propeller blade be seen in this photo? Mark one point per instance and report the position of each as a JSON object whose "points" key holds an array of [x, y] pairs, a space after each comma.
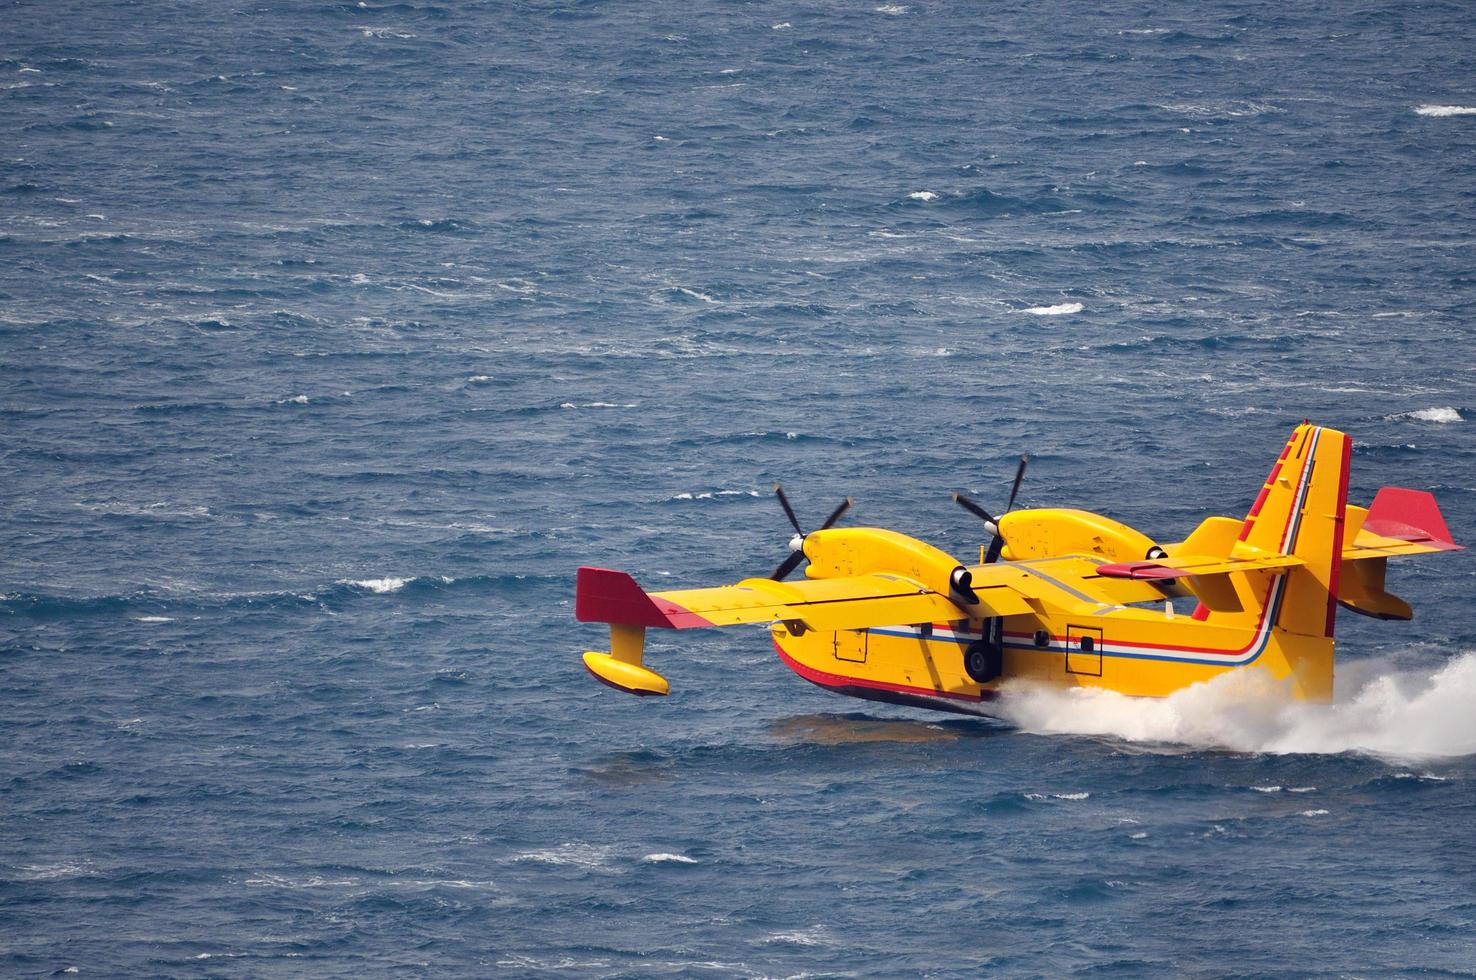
{"points": [[788, 510], [788, 565], [835, 515], [995, 546], [1015, 490], [975, 509]]}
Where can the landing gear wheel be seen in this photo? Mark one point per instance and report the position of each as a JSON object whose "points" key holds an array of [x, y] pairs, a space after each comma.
{"points": [[983, 661]]}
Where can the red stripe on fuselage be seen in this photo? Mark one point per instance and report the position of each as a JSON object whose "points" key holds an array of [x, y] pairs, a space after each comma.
{"points": [[1337, 543], [826, 679]]}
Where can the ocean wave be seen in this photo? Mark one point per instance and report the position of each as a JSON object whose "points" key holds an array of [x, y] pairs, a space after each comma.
{"points": [[1441, 111], [588, 856], [149, 605], [813, 936], [668, 858], [1443, 414], [1057, 796], [377, 585], [712, 494], [1387, 712], [1057, 310]]}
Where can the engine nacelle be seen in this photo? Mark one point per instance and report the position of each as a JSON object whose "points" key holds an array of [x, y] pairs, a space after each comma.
{"points": [[1051, 532]]}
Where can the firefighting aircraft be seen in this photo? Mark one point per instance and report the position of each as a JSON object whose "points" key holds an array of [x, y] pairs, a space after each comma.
{"points": [[1062, 597]]}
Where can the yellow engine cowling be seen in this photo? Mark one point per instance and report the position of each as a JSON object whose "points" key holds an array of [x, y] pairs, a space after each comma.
{"points": [[1050, 532]]}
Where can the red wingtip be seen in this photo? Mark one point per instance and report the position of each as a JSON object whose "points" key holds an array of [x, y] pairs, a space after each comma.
{"points": [[1409, 515], [603, 595]]}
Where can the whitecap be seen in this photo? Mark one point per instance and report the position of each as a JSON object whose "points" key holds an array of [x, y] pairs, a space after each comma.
{"points": [[892, 9], [813, 936], [665, 858], [1313, 813], [922, 196], [712, 494], [1056, 796], [1445, 110], [478, 379], [1138, 836], [266, 879], [780, 27], [1442, 414], [294, 400], [573, 855], [153, 619], [51, 872], [1267, 789], [377, 585], [1056, 310]]}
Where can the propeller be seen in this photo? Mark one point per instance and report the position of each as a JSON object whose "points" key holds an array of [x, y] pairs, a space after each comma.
{"points": [[796, 543], [990, 522]]}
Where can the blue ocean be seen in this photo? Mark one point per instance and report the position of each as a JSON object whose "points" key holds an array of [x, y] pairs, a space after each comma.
{"points": [[334, 337]]}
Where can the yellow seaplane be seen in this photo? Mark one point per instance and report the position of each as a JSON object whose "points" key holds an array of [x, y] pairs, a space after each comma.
{"points": [[1060, 597]]}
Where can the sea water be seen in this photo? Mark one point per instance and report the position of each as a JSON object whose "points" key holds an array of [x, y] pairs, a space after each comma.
{"points": [[334, 337]]}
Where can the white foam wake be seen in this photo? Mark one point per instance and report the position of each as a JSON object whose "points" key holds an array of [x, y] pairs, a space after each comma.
{"points": [[1446, 110], [1379, 710], [1056, 310]]}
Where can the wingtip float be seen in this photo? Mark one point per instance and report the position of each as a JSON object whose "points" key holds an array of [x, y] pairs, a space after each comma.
{"points": [[1060, 596]]}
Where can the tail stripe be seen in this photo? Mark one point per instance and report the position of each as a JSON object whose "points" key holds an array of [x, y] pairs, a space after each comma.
{"points": [[1337, 545], [1289, 537]]}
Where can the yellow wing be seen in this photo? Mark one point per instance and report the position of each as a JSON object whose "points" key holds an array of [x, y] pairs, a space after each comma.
{"points": [[851, 602]]}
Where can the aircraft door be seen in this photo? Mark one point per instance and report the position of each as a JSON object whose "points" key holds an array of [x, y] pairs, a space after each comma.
{"points": [[1084, 651], [850, 645]]}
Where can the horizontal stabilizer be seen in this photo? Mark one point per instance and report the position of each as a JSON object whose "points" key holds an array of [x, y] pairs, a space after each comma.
{"points": [[1197, 565], [1151, 571], [1411, 516]]}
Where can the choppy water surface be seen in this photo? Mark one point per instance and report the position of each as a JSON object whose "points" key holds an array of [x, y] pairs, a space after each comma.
{"points": [[334, 337]]}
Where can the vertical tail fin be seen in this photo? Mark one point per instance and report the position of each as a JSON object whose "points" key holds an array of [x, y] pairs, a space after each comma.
{"points": [[1301, 511]]}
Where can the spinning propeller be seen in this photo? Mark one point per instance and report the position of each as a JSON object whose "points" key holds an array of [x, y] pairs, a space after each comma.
{"points": [[990, 522], [796, 543]]}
